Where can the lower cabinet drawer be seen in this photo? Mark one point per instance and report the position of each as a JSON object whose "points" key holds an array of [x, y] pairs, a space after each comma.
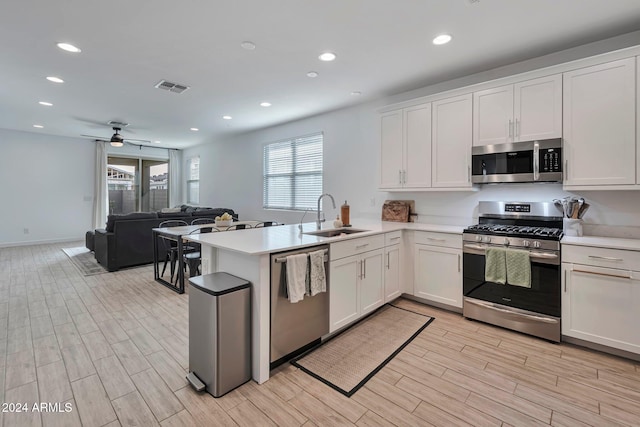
{"points": [[392, 238], [356, 246], [601, 257], [438, 239]]}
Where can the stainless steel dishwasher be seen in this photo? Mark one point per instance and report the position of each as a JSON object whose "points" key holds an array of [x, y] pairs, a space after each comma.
{"points": [[298, 326]]}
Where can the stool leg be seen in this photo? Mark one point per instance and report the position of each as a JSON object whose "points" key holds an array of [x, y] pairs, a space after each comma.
{"points": [[173, 263], [164, 267]]}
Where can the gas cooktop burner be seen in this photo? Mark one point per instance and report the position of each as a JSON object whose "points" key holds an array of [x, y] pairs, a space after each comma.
{"points": [[516, 230]]}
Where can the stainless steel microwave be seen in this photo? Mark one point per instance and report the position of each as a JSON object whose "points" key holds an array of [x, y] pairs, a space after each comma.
{"points": [[530, 161]]}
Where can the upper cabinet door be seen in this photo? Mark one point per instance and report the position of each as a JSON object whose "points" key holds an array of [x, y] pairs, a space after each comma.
{"points": [[599, 124], [451, 141], [391, 150], [417, 153], [538, 109], [493, 116]]}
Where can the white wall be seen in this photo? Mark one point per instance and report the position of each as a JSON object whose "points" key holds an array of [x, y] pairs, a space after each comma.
{"points": [[231, 170], [46, 186]]}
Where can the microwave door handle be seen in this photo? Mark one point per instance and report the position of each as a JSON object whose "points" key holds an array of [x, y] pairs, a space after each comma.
{"points": [[536, 161]]}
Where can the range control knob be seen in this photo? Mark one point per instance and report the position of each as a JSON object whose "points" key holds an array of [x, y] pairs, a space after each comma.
{"points": [[506, 241], [536, 244], [526, 243], [486, 239], [478, 238]]}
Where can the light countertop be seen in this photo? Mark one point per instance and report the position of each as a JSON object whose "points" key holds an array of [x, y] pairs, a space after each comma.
{"points": [[603, 242], [257, 241]]}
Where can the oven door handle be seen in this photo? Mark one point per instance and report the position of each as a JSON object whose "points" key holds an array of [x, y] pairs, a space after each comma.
{"points": [[543, 255], [492, 306], [474, 248]]}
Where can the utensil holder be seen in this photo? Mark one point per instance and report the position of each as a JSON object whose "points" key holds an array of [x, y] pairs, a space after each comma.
{"points": [[572, 227]]}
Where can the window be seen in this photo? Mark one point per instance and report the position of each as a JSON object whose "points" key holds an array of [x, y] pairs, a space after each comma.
{"points": [[293, 173], [136, 185], [193, 181]]}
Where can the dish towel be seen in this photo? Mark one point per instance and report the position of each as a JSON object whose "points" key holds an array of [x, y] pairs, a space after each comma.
{"points": [[518, 268], [317, 277], [495, 268], [296, 277]]}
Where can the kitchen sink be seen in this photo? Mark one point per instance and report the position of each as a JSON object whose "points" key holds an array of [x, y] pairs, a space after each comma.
{"points": [[334, 232]]}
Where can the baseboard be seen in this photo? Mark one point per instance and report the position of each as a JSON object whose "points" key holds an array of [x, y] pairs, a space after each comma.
{"points": [[433, 304], [42, 242], [601, 348]]}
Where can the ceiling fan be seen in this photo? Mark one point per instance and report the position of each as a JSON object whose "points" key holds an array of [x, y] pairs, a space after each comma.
{"points": [[116, 139]]}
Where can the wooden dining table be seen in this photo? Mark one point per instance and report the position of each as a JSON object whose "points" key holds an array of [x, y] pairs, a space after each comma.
{"points": [[176, 234]]}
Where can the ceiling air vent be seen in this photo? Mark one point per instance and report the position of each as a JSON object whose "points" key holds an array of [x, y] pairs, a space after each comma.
{"points": [[171, 87]]}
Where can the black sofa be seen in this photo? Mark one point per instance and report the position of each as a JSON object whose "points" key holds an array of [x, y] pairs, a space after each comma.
{"points": [[127, 240]]}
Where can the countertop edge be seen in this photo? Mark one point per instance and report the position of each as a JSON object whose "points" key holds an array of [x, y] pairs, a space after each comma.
{"points": [[603, 242], [373, 228]]}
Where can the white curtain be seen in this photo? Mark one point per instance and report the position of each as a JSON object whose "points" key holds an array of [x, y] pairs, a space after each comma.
{"points": [[175, 185], [101, 194]]}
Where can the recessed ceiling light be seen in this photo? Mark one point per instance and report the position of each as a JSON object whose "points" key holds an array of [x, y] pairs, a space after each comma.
{"points": [[442, 39], [327, 56], [312, 74], [55, 79], [356, 93], [227, 117], [46, 104], [38, 126], [157, 142], [195, 129], [248, 45], [265, 104], [69, 47]]}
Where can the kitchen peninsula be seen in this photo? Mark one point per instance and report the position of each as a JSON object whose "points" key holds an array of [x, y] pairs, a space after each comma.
{"points": [[246, 254]]}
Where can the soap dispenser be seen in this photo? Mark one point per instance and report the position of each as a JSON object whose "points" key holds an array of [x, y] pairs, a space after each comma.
{"points": [[344, 213]]}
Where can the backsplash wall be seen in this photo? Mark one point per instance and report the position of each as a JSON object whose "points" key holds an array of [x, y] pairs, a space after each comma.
{"points": [[612, 213]]}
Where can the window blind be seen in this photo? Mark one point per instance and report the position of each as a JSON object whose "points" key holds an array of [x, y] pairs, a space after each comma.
{"points": [[292, 176], [193, 183]]}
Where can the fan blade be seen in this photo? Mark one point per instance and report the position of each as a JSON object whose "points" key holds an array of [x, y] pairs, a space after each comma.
{"points": [[96, 123], [95, 137], [137, 140]]}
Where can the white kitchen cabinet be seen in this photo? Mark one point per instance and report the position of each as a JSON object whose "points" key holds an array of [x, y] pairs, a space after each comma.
{"points": [[344, 303], [356, 279], [391, 151], [438, 268], [451, 142], [600, 304], [371, 281], [392, 261], [525, 111], [599, 105], [405, 155]]}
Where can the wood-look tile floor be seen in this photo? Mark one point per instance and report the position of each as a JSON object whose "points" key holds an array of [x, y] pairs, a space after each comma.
{"points": [[114, 348]]}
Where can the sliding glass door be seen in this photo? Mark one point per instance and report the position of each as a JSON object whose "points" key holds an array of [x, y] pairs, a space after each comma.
{"points": [[137, 185]]}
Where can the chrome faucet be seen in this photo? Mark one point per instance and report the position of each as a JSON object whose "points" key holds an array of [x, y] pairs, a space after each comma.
{"points": [[320, 221]]}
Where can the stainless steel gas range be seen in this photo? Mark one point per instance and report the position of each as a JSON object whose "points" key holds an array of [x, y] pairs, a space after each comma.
{"points": [[527, 229]]}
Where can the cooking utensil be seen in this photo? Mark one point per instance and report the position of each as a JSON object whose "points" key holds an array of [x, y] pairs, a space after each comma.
{"points": [[583, 209]]}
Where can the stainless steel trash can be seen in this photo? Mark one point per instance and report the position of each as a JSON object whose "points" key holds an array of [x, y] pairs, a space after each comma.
{"points": [[219, 332]]}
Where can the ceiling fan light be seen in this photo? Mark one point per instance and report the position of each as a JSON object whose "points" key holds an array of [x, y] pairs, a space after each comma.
{"points": [[116, 143]]}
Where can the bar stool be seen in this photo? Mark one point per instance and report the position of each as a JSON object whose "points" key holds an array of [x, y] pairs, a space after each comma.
{"points": [[171, 246]]}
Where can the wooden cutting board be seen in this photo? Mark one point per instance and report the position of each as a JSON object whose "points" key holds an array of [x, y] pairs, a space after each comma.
{"points": [[398, 210]]}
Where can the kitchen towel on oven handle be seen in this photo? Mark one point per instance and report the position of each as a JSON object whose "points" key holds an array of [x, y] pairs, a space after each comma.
{"points": [[518, 268], [495, 267]]}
